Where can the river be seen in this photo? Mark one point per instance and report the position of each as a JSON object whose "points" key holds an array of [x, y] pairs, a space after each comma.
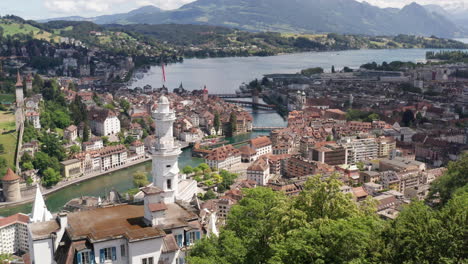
{"points": [[123, 180], [224, 75], [221, 75]]}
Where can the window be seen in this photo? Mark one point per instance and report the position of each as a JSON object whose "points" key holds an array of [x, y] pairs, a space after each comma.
{"points": [[191, 237], [123, 252], [107, 254], [180, 240], [85, 257], [169, 184], [168, 166], [147, 260]]}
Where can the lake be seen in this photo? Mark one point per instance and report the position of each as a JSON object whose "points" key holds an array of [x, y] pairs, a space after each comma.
{"points": [[224, 75]]}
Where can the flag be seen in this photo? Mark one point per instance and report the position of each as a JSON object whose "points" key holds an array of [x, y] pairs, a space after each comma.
{"points": [[164, 73]]}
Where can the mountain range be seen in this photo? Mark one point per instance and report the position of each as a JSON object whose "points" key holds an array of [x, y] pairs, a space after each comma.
{"points": [[304, 16]]}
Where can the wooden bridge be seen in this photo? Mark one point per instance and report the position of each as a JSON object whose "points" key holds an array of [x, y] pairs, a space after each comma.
{"points": [[251, 104], [243, 95], [266, 128]]}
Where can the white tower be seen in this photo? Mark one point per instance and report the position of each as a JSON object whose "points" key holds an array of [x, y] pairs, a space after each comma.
{"points": [[165, 153]]}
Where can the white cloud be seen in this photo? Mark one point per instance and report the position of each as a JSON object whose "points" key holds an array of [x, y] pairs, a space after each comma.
{"points": [[449, 4], [164, 4], [80, 7], [75, 6]]}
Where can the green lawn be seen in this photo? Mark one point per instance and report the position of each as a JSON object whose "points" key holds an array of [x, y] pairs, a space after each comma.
{"points": [[8, 136], [7, 98], [12, 28]]}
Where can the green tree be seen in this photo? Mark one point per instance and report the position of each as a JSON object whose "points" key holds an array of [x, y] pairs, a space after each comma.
{"points": [[233, 123], [323, 198], [209, 195], [50, 177], [52, 145], [61, 119], [187, 170], [27, 166], [253, 220], [455, 178], [85, 132], [373, 117], [3, 166], [125, 105], [140, 179], [216, 122], [42, 161], [74, 149]]}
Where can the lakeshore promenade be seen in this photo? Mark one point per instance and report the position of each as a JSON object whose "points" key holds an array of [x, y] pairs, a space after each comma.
{"points": [[65, 183]]}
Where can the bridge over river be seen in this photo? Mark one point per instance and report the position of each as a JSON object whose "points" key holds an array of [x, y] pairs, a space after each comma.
{"points": [[251, 104]]}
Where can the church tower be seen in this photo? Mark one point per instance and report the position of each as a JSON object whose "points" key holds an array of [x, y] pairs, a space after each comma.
{"points": [[205, 94], [165, 153]]}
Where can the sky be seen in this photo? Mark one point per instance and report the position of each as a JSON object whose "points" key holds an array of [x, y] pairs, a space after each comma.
{"points": [[39, 9]]}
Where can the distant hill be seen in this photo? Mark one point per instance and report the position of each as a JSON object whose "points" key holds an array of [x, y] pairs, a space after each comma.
{"points": [[311, 16], [457, 15]]}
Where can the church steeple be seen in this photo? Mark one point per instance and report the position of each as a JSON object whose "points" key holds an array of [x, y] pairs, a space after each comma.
{"points": [[40, 213]]}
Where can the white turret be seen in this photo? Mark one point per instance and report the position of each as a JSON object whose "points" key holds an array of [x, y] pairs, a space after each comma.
{"points": [[39, 211], [166, 152]]}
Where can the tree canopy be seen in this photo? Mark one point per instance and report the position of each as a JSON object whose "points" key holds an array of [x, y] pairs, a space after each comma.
{"points": [[324, 225]]}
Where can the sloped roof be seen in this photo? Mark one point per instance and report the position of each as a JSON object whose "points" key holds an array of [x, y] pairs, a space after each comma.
{"points": [[13, 219], [10, 176]]}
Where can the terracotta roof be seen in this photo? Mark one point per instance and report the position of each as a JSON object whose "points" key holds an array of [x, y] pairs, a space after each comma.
{"points": [[71, 128], [359, 192], [260, 142], [10, 176], [13, 219], [259, 165], [137, 143], [246, 150], [156, 207], [222, 153]]}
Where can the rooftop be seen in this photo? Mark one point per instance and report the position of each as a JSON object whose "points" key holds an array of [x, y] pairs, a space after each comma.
{"points": [[10, 176], [111, 222], [42, 230], [13, 219]]}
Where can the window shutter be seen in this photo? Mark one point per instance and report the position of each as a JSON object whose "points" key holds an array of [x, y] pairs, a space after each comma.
{"points": [[93, 259], [101, 255], [114, 253], [187, 238], [78, 257], [197, 235], [180, 240]]}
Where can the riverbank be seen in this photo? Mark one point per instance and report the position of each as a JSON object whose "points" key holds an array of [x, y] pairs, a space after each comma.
{"points": [[63, 184]]}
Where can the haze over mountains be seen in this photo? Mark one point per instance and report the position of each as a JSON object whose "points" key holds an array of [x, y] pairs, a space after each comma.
{"points": [[314, 16]]}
